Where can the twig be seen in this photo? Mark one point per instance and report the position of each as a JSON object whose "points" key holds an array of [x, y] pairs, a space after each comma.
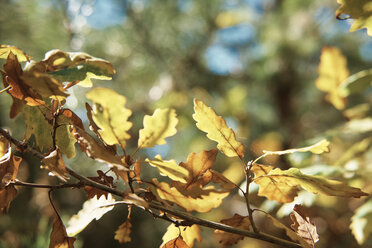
{"points": [[5, 89], [246, 195], [46, 186]]}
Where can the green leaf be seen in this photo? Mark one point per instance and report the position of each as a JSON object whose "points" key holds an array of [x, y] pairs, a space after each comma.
{"points": [[21, 55], [169, 168], [361, 222], [217, 130], [360, 11], [110, 115], [156, 128], [356, 83]]}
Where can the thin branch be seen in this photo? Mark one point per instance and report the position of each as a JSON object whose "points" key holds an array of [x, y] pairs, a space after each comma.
{"points": [[187, 218], [5, 89], [46, 186], [246, 195]]}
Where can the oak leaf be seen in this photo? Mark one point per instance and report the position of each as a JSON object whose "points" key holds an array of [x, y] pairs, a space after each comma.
{"points": [[176, 243], [290, 233], [7, 195], [303, 227], [102, 179], [58, 236], [156, 128], [361, 222], [238, 221], [9, 165], [54, 163], [360, 11], [318, 148], [188, 233], [21, 55], [332, 72], [169, 168], [93, 208], [206, 199], [122, 234], [217, 130], [110, 115]]}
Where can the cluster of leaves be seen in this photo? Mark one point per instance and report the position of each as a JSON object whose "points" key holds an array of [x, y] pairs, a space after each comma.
{"points": [[39, 92]]}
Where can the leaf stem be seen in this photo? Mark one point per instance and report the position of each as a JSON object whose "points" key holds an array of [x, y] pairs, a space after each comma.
{"points": [[5, 89], [246, 195]]}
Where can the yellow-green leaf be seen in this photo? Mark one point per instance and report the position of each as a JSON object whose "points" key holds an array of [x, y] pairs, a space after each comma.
{"points": [[217, 130], [332, 72], [21, 55], [318, 148], [360, 11], [156, 128], [361, 222], [110, 115], [169, 168], [189, 234]]}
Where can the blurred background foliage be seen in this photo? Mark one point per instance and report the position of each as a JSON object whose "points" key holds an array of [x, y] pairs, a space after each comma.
{"points": [[254, 61]]}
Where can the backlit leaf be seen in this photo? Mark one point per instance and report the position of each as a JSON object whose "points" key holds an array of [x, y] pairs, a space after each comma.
{"points": [[357, 83], [207, 199], [7, 195], [361, 222], [289, 232], [169, 168], [332, 72], [102, 179], [217, 130], [21, 55], [360, 11], [92, 209], [156, 128], [110, 115], [122, 234], [176, 243], [188, 233], [58, 236], [303, 227], [318, 148], [238, 221], [54, 163]]}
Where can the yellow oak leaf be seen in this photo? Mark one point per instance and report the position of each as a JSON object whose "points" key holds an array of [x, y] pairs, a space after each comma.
{"points": [[21, 55], [110, 115], [156, 128], [176, 243], [217, 130], [332, 72], [238, 221], [169, 168], [122, 234], [318, 148], [58, 236], [188, 233], [360, 11], [207, 199]]}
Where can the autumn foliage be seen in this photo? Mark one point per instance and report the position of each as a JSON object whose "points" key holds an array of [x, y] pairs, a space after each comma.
{"points": [[39, 91]]}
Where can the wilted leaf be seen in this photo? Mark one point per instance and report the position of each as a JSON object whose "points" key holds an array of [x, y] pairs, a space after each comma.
{"points": [[217, 130], [176, 243], [7, 195], [198, 164], [110, 115], [361, 222], [238, 221], [207, 199], [303, 227], [169, 168], [96, 151], [4, 146], [102, 179], [360, 11], [332, 72], [122, 234], [318, 148], [58, 237], [54, 163], [21, 55], [282, 185], [92, 209], [8, 167], [188, 233], [289, 232], [156, 128]]}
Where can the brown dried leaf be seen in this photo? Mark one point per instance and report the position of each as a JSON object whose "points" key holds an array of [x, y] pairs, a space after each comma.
{"points": [[6, 197], [102, 179], [303, 226], [189, 234], [54, 163], [8, 167], [238, 221], [122, 234], [176, 243], [58, 237]]}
